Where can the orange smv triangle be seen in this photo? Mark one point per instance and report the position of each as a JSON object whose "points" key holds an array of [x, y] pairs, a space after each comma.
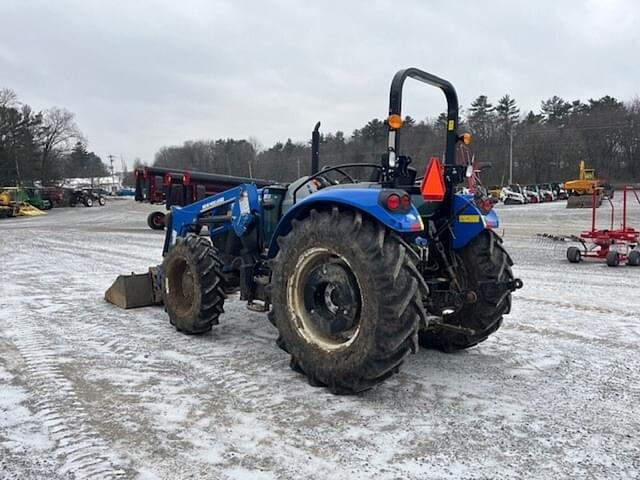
{"points": [[432, 187]]}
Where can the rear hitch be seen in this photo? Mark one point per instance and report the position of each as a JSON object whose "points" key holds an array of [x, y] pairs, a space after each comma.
{"points": [[496, 291], [446, 301]]}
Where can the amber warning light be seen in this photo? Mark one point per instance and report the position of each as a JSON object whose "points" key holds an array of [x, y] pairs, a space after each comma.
{"points": [[432, 188]]}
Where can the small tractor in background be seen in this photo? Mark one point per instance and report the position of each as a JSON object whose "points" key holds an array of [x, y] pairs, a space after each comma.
{"points": [[587, 189], [533, 193], [559, 190], [513, 195], [86, 196], [355, 274], [547, 192]]}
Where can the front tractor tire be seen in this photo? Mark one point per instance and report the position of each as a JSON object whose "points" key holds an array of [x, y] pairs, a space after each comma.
{"points": [[347, 300], [192, 287], [484, 259]]}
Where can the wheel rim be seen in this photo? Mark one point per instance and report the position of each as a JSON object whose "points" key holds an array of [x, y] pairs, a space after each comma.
{"points": [[180, 286], [325, 299], [157, 220]]}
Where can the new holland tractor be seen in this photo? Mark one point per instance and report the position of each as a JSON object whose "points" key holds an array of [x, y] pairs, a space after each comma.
{"points": [[354, 275]]}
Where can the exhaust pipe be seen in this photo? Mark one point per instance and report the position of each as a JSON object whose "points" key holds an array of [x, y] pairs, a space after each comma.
{"points": [[315, 149]]}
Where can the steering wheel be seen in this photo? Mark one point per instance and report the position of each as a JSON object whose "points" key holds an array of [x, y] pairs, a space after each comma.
{"points": [[322, 182], [344, 174]]}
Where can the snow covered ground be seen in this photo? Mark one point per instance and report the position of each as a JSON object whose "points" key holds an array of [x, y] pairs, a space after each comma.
{"points": [[91, 391]]}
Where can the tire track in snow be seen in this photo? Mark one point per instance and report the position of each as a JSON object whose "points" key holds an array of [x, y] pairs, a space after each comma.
{"points": [[247, 390], [79, 448], [575, 337], [576, 306]]}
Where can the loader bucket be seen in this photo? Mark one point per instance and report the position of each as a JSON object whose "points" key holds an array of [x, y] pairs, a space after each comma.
{"points": [[135, 290], [584, 201]]}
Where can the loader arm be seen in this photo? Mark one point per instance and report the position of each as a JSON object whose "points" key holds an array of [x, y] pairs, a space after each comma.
{"points": [[235, 209]]}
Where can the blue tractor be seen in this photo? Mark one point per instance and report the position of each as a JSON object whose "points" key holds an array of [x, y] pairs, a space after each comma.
{"points": [[354, 274]]}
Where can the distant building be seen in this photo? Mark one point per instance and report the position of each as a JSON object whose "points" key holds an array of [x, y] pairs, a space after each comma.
{"points": [[109, 183]]}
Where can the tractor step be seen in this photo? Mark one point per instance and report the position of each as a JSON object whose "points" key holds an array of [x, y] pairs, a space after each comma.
{"points": [[135, 290]]}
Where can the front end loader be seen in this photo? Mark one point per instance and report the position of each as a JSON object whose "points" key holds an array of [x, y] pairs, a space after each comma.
{"points": [[354, 274]]}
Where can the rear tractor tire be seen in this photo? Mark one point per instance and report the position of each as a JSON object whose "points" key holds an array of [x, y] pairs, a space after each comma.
{"points": [[88, 202], [192, 287], [484, 259], [156, 220], [347, 300], [574, 255]]}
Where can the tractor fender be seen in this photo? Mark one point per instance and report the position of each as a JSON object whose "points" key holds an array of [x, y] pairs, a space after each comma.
{"points": [[365, 200], [469, 220]]}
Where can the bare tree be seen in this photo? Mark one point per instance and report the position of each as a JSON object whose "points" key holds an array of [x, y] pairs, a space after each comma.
{"points": [[59, 131], [257, 148], [8, 98]]}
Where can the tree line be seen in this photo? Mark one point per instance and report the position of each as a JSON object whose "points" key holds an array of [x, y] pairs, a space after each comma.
{"points": [[544, 146], [45, 146]]}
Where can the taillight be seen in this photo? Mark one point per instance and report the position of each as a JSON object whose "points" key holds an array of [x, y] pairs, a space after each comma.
{"points": [[393, 202], [406, 202]]}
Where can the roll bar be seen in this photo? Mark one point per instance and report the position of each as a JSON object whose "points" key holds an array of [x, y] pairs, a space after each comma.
{"points": [[395, 107]]}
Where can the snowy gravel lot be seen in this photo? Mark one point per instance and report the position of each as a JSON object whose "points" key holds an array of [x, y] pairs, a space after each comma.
{"points": [[91, 391]]}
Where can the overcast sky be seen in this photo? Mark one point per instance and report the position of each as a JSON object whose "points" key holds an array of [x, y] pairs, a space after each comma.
{"points": [[143, 74]]}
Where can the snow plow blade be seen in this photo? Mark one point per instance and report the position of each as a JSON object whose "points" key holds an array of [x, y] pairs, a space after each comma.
{"points": [[135, 290], [584, 201]]}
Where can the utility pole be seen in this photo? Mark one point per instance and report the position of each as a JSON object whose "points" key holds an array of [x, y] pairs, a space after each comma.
{"points": [[113, 175], [511, 155]]}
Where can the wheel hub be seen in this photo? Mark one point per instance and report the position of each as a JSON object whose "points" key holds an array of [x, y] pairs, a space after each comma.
{"points": [[326, 299]]}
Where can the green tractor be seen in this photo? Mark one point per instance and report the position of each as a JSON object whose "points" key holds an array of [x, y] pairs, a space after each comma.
{"points": [[35, 199]]}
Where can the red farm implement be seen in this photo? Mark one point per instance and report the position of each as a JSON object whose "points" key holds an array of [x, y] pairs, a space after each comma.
{"points": [[614, 245], [171, 186]]}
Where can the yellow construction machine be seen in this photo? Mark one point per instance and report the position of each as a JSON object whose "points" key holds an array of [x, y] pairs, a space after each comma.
{"points": [[580, 191]]}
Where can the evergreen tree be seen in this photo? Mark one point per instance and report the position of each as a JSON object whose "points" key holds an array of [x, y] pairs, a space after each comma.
{"points": [[555, 110], [507, 113], [481, 118]]}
